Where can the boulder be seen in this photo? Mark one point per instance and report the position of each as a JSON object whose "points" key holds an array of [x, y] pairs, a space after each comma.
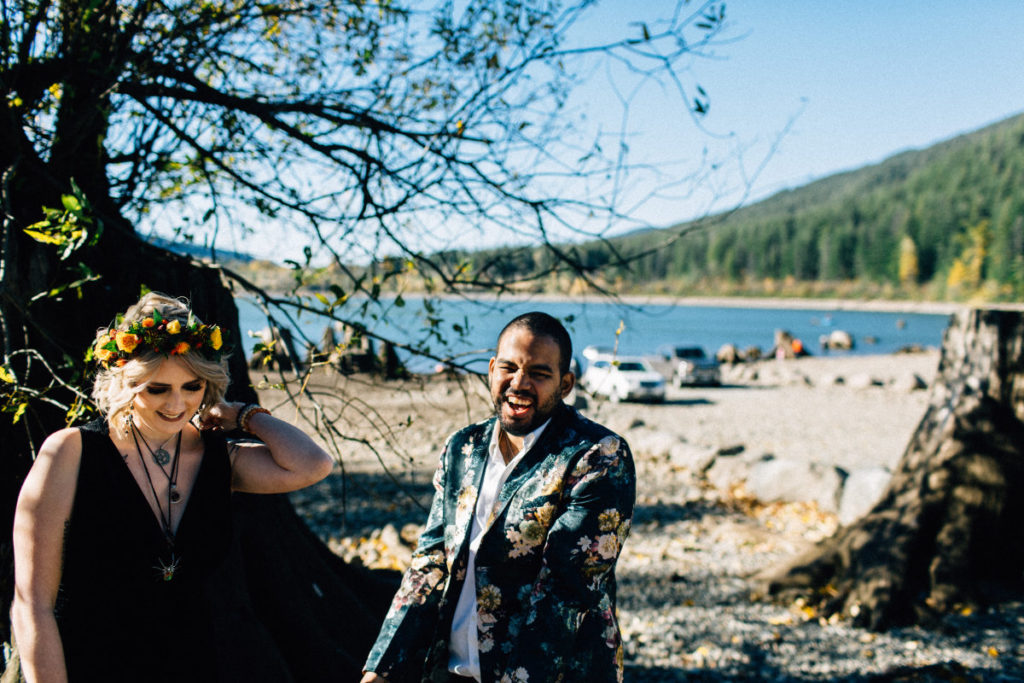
{"points": [[862, 489], [908, 383], [652, 443], [784, 480], [862, 381], [839, 340], [731, 467], [728, 353], [695, 458]]}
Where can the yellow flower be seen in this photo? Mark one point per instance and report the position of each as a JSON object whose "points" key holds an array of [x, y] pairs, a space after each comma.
{"points": [[181, 348], [174, 327], [215, 339], [126, 341], [104, 355]]}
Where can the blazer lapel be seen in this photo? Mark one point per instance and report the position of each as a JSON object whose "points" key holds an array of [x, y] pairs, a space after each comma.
{"points": [[548, 443], [469, 487]]}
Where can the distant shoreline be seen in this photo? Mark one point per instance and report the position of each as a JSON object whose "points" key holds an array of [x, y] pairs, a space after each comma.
{"points": [[709, 301], [792, 303]]}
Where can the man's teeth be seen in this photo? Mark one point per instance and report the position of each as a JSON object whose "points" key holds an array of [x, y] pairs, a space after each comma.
{"points": [[518, 401]]}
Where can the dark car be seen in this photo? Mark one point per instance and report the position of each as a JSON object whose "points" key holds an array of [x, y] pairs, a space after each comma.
{"points": [[692, 367]]}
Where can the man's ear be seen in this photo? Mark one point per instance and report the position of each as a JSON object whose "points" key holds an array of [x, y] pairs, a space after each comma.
{"points": [[568, 382]]}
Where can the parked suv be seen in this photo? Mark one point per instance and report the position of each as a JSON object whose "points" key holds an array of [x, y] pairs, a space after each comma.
{"points": [[692, 367]]}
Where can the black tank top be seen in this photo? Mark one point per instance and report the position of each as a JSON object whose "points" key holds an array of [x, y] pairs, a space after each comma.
{"points": [[119, 619]]}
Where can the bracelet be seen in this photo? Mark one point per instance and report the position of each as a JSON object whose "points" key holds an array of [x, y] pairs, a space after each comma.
{"points": [[246, 413]]}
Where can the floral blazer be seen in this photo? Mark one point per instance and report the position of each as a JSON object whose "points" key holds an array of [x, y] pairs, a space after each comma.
{"points": [[545, 567]]}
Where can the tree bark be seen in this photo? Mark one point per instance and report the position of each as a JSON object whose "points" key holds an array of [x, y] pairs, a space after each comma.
{"points": [[948, 531]]}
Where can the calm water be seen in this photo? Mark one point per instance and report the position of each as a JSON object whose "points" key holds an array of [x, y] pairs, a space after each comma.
{"points": [[466, 329]]}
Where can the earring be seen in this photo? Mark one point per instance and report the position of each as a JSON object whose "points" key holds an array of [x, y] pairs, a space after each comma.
{"points": [[128, 421]]}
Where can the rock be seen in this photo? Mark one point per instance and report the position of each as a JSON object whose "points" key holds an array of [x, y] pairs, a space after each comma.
{"points": [[909, 382], [787, 480], [839, 340], [652, 443], [828, 380], [862, 381], [410, 534], [695, 458], [862, 489], [731, 468], [728, 353]]}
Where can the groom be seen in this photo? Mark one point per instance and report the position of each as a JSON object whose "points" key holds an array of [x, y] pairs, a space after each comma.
{"points": [[513, 577]]}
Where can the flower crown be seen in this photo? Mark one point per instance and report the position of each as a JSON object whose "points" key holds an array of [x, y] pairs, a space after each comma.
{"points": [[115, 347]]}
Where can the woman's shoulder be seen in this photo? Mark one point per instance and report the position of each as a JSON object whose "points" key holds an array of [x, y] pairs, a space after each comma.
{"points": [[62, 443], [57, 462]]}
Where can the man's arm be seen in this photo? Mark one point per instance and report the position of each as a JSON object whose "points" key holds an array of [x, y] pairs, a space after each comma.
{"points": [[579, 557], [409, 624]]}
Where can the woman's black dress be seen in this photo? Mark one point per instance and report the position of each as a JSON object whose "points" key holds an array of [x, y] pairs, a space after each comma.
{"points": [[119, 619]]}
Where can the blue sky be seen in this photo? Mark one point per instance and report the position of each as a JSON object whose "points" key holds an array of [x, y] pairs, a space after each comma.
{"points": [[799, 90], [813, 88]]}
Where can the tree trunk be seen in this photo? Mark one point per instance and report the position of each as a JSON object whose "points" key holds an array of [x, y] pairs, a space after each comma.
{"points": [[948, 532]]}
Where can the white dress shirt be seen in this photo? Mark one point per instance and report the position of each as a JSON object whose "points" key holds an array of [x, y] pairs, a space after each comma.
{"points": [[463, 651]]}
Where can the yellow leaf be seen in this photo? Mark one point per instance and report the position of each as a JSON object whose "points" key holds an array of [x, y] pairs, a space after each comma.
{"points": [[992, 652], [43, 237], [6, 375]]}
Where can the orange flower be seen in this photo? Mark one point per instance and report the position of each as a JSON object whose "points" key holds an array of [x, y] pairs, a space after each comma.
{"points": [[126, 341], [174, 327], [181, 348], [148, 322]]}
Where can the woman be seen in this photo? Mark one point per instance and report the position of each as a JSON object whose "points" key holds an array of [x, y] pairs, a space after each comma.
{"points": [[121, 523]]}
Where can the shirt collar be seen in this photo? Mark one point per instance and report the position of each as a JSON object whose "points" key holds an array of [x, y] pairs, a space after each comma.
{"points": [[528, 441]]}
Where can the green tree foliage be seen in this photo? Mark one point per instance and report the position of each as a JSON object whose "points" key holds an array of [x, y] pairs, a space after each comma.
{"points": [[858, 226]]}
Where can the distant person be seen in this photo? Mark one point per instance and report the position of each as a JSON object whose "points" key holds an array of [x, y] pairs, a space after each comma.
{"points": [[513, 577], [121, 522]]}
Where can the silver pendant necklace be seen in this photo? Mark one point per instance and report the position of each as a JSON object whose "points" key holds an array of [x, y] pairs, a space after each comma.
{"points": [[165, 570]]}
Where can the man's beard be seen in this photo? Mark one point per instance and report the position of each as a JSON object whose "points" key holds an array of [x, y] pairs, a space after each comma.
{"points": [[540, 415]]}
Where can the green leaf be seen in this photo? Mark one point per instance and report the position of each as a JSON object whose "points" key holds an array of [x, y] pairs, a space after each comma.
{"points": [[71, 203]]}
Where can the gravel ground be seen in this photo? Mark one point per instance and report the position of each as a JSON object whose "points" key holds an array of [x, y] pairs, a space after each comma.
{"points": [[687, 603]]}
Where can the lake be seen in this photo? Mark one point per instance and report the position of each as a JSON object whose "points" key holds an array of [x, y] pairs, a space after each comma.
{"points": [[466, 329]]}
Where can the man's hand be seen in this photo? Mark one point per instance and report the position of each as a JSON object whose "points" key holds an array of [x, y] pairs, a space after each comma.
{"points": [[371, 677]]}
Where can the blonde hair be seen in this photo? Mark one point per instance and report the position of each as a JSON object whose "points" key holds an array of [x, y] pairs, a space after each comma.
{"points": [[116, 387]]}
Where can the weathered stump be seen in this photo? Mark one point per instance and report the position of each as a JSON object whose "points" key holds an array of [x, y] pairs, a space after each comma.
{"points": [[949, 531]]}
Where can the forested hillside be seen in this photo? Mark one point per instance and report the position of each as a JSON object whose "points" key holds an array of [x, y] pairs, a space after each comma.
{"points": [[945, 222]]}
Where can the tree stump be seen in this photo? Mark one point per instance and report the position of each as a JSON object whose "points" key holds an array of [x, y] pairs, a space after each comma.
{"points": [[949, 531]]}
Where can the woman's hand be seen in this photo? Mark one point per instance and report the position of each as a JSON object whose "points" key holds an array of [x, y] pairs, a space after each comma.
{"points": [[222, 417]]}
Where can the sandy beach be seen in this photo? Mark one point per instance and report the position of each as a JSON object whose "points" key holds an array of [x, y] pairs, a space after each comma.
{"points": [[687, 601]]}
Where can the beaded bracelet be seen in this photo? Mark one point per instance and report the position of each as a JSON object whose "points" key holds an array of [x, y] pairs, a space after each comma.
{"points": [[245, 415]]}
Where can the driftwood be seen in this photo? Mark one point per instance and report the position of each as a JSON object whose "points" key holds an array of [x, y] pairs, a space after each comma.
{"points": [[949, 531]]}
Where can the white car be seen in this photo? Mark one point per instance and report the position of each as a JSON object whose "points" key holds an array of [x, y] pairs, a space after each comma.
{"points": [[624, 378]]}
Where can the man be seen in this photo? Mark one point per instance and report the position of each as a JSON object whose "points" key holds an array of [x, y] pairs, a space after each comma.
{"points": [[513, 577]]}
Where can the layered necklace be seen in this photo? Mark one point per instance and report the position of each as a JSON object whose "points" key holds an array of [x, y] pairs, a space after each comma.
{"points": [[162, 458]]}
